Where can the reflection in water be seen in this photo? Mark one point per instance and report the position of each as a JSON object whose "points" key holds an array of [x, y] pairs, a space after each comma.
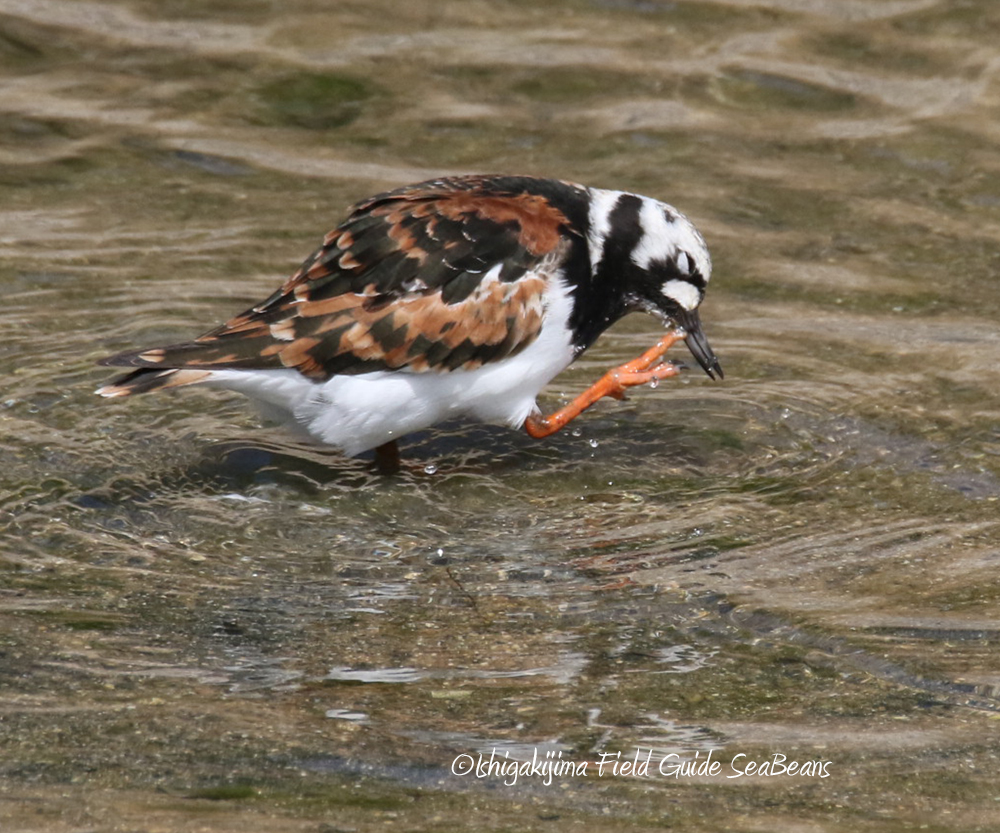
{"points": [[801, 560]]}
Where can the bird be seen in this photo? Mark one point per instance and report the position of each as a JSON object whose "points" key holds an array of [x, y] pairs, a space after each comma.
{"points": [[457, 296]]}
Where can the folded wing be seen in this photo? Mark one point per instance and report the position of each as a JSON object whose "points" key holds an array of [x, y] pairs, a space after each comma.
{"points": [[443, 275]]}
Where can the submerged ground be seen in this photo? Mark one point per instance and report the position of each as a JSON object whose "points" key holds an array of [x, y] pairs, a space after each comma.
{"points": [[204, 626]]}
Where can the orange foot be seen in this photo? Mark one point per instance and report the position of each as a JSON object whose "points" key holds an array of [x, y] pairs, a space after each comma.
{"points": [[646, 368]]}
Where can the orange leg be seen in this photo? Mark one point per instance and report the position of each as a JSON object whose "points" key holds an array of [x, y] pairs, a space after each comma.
{"points": [[646, 368]]}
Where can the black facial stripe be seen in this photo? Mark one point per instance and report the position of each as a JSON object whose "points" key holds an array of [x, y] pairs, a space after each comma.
{"points": [[623, 235], [668, 270], [698, 280], [602, 302]]}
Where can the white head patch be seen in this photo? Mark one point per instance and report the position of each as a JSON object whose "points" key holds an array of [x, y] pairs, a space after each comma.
{"points": [[602, 203], [684, 293], [668, 235]]}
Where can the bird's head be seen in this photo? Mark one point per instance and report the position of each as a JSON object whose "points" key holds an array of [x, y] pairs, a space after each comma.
{"points": [[669, 270]]}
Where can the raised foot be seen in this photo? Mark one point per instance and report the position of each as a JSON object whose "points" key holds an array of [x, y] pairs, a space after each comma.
{"points": [[640, 371], [618, 379]]}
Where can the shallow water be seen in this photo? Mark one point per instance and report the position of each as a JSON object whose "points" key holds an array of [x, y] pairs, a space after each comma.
{"points": [[206, 626]]}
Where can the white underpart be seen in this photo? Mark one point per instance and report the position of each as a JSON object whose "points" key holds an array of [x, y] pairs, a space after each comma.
{"points": [[356, 413]]}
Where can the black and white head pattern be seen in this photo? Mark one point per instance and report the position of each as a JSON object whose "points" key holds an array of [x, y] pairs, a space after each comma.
{"points": [[631, 230]]}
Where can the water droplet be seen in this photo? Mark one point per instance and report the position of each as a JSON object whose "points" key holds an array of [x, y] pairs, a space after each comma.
{"points": [[430, 468], [654, 383], [593, 443], [576, 432], [347, 714]]}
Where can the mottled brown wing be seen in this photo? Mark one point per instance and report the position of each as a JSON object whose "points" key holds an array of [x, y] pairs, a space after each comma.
{"points": [[443, 275]]}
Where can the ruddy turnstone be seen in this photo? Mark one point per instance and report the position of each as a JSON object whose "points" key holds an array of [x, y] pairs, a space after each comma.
{"points": [[456, 296]]}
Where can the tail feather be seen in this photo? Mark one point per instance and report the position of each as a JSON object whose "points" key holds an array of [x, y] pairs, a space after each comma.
{"points": [[166, 367], [147, 379]]}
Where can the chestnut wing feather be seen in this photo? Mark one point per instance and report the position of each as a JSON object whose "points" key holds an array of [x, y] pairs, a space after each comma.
{"points": [[440, 276]]}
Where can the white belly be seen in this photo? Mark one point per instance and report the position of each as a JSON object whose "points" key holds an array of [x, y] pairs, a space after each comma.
{"points": [[356, 413]]}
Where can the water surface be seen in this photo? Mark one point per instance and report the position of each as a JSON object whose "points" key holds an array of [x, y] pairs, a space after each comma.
{"points": [[204, 625]]}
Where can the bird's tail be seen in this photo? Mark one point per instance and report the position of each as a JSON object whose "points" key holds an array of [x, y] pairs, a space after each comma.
{"points": [[146, 379]]}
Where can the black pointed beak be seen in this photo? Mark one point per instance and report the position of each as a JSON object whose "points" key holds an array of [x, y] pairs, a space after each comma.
{"points": [[698, 344]]}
